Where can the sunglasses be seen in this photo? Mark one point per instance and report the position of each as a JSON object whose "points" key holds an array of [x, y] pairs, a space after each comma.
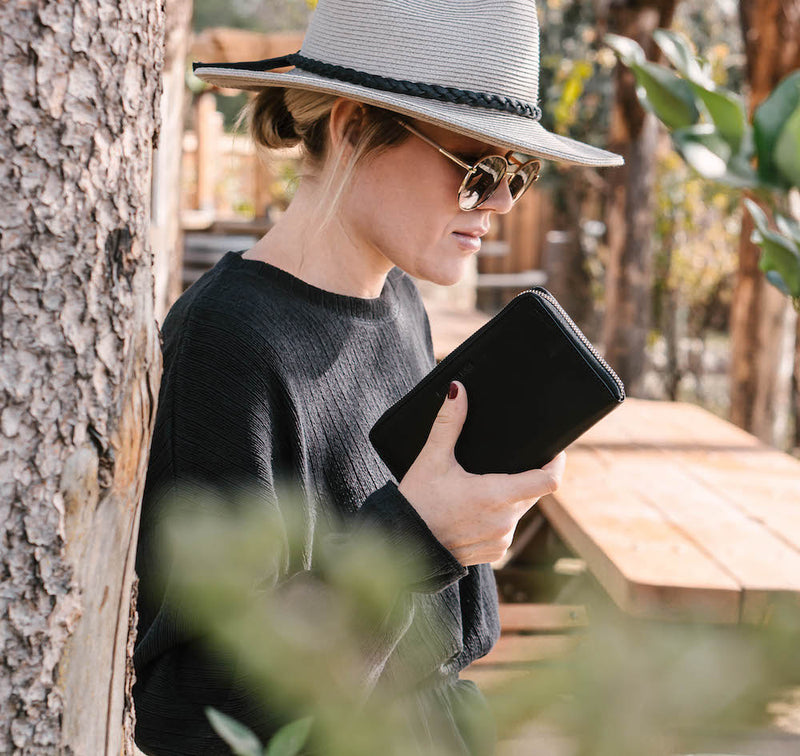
{"points": [[484, 177]]}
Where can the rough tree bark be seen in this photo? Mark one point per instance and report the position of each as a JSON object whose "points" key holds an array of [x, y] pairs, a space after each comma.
{"points": [[630, 220], [79, 359], [760, 315]]}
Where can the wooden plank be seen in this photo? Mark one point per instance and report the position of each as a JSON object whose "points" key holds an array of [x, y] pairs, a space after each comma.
{"points": [[527, 649], [680, 461], [762, 559], [645, 563], [521, 618], [758, 560], [762, 482]]}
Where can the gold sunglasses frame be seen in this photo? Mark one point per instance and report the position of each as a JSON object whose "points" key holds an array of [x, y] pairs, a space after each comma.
{"points": [[510, 170]]}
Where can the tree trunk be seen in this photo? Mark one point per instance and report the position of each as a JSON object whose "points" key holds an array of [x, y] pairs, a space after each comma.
{"points": [[165, 226], [759, 390], [79, 360], [630, 217], [564, 257]]}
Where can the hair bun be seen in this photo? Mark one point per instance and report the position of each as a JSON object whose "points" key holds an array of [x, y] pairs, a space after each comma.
{"points": [[271, 123]]}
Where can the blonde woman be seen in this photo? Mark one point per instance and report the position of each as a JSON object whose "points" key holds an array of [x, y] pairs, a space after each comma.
{"points": [[419, 122]]}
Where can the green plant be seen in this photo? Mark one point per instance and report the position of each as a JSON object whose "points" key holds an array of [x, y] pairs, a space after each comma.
{"points": [[288, 741], [711, 131], [304, 643], [631, 688]]}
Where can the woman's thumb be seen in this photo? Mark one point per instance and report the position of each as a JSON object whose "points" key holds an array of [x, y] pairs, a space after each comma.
{"points": [[450, 420]]}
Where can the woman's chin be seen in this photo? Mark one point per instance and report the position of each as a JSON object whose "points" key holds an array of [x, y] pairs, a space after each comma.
{"points": [[447, 277]]}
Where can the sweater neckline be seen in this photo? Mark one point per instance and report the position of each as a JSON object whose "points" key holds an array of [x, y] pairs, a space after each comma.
{"points": [[378, 308]]}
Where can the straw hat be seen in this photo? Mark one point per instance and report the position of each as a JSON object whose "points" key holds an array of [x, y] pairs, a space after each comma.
{"points": [[471, 66]]}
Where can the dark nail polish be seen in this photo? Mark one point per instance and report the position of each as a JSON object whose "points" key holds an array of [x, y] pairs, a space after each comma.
{"points": [[453, 393]]}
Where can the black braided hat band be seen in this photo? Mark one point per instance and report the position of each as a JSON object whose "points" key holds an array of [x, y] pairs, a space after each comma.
{"points": [[387, 84]]}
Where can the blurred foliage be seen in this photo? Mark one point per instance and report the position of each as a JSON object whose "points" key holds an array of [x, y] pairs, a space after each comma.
{"points": [[694, 269], [256, 15], [575, 83], [697, 228], [630, 688], [578, 93], [711, 131], [304, 642]]}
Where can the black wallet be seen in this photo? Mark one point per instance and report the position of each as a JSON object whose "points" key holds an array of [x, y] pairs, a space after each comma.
{"points": [[534, 384]]}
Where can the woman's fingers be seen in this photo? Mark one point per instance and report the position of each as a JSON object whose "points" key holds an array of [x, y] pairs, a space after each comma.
{"points": [[449, 421], [528, 485]]}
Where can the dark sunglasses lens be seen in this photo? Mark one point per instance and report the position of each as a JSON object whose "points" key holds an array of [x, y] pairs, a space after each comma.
{"points": [[482, 180], [523, 178]]}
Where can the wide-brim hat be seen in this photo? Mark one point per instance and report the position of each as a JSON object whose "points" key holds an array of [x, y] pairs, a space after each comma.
{"points": [[471, 66]]}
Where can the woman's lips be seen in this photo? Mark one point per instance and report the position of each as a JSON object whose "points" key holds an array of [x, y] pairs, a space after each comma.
{"points": [[467, 242]]}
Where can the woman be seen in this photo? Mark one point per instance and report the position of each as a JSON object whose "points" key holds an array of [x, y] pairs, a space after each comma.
{"points": [[280, 359]]}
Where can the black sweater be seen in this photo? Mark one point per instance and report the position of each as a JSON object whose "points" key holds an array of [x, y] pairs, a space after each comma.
{"points": [[265, 378]]}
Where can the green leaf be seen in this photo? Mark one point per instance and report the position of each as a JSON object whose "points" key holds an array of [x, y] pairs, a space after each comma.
{"points": [[775, 279], [727, 114], [704, 149], [628, 50], [788, 227], [758, 215], [768, 123], [242, 741], [660, 90], [289, 739], [725, 109], [666, 95], [781, 256], [678, 50], [787, 149]]}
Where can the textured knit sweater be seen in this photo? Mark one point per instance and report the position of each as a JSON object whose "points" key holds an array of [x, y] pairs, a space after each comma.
{"points": [[267, 378]]}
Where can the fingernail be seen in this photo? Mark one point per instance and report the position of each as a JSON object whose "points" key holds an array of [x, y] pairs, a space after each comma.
{"points": [[453, 392]]}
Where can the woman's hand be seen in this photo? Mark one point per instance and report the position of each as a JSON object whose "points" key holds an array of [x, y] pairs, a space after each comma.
{"points": [[474, 516]]}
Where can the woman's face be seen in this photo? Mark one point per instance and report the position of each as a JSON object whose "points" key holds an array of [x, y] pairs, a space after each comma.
{"points": [[402, 204]]}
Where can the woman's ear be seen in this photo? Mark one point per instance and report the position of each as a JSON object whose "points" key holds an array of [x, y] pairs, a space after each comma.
{"points": [[345, 123]]}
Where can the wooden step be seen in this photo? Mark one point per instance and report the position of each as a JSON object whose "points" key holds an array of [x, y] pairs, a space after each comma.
{"points": [[531, 634], [524, 650], [539, 618]]}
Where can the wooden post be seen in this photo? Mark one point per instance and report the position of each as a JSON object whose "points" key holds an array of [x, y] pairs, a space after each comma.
{"points": [[263, 178], [209, 127], [165, 223]]}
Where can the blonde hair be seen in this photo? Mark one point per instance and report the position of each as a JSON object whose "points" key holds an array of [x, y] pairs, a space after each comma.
{"points": [[280, 118]]}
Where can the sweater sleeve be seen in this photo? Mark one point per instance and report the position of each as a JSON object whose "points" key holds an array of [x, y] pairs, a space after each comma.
{"points": [[224, 424]]}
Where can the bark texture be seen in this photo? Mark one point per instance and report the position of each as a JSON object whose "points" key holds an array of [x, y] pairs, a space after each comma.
{"points": [[759, 314], [630, 218], [79, 359]]}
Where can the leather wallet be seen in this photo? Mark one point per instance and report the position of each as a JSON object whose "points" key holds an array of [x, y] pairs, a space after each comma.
{"points": [[534, 384]]}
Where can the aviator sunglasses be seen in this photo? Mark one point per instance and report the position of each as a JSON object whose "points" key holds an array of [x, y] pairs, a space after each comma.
{"points": [[485, 175]]}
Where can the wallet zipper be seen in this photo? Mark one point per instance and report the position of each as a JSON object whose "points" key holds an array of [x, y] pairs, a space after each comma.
{"points": [[546, 295]]}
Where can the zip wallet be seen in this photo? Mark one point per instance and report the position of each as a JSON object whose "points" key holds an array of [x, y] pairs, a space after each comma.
{"points": [[534, 384]]}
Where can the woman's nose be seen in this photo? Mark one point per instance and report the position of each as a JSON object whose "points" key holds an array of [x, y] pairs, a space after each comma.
{"points": [[500, 201]]}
